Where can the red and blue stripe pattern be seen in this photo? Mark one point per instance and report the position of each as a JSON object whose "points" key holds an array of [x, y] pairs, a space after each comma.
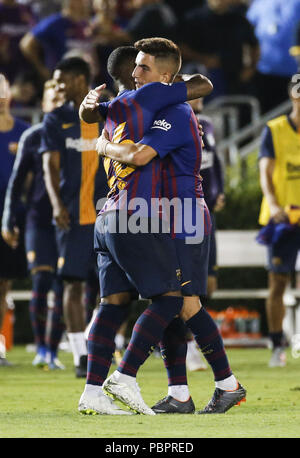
{"points": [[148, 331], [127, 121], [101, 341]]}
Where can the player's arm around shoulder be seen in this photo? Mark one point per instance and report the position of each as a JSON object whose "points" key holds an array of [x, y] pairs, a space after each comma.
{"points": [[197, 85]]}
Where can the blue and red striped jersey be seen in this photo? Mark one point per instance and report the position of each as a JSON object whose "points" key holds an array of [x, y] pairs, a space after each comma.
{"points": [[128, 117], [175, 137]]}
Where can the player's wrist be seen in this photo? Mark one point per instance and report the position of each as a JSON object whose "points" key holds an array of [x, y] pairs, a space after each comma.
{"points": [[105, 147]]}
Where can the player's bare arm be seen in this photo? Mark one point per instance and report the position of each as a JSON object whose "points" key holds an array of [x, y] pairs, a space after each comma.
{"points": [[135, 154], [51, 169], [266, 168], [88, 110]]}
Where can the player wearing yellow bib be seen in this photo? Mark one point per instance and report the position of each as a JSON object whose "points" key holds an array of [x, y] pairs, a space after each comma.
{"points": [[279, 165]]}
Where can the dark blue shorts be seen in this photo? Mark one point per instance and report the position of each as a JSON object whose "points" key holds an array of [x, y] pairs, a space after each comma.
{"points": [[41, 247], [193, 261], [143, 262], [282, 256], [76, 256]]}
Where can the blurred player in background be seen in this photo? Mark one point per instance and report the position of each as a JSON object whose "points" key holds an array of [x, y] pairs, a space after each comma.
{"points": [[53, 36], [12, 260], [279, 165], [39, 237], [75, 181]]}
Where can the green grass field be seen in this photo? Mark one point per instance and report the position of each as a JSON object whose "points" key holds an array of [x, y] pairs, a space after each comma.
{"points": [[39, 404]]}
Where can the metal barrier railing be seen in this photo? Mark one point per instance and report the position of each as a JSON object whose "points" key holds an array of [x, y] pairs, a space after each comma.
{"points": [[231, 144], [236, 100], [226, 110]]}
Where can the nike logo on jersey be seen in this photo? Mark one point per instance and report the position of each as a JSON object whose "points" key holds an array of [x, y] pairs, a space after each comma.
{"points": [[68, 125], [161, 124]]}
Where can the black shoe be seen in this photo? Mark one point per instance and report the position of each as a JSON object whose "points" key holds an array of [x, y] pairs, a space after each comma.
{"points": [[81, 370], [171, 405], [223, 400]]}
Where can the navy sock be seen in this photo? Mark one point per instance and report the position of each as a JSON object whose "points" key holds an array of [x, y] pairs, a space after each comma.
{"points": [[210, 342], [148, 331], [173, 347], [38, 307], [101, 341], [56, 318]]}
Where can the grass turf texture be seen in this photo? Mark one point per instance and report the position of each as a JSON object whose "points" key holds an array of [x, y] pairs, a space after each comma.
{"points": [[40, 404]]}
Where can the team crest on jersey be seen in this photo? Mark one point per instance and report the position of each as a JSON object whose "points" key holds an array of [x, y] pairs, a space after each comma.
{"points": [[161, 124]]}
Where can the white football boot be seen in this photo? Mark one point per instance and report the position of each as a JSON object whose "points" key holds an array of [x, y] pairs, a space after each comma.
{"points": [[99, 405], [128, 393]]}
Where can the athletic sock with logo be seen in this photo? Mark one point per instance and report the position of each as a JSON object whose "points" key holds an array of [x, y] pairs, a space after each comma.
{"points": [[210, 342]]}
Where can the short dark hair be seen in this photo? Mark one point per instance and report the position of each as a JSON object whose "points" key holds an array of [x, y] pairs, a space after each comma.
{"points": [[75, 65], [162, 49], [121, 62]]}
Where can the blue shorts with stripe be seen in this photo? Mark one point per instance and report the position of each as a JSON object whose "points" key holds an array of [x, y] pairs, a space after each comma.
{"points": [[76, 257], [193, 261], [144, 262], [41, 248]]}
